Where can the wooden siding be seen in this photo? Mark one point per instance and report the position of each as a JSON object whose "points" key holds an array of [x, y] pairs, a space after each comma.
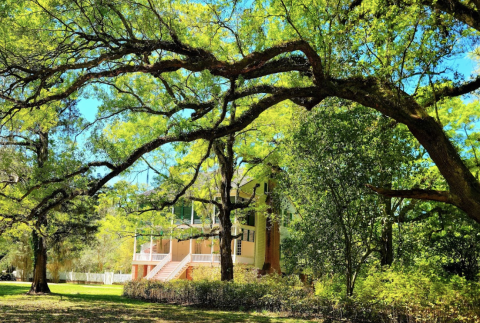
{"points": [[260, 240]]}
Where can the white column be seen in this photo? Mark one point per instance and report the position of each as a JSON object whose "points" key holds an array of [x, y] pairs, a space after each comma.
{"points": [[151, 247], [135, 245], [213, 216], [235, 244], [211, 248], [192, 215], [171, 247]]}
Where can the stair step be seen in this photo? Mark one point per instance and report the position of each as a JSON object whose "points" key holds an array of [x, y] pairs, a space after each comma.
{"points": [[166, 271]]}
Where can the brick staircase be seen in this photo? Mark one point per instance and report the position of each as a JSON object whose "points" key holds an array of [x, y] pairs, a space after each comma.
{"points": [[163, 274]]}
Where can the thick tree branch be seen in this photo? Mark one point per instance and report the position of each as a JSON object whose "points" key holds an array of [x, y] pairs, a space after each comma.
{"points": [[457, 9], [428, 195], [454, 91]]}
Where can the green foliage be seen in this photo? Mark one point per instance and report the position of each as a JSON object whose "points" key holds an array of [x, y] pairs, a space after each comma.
{"points": [[381, 296], [330, 156], [419, 296], [241, 273], [269, 293]]}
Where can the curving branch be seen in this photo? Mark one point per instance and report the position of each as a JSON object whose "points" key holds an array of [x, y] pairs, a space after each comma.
{"points": [[419, 194], [462, 12], [454, 91]]}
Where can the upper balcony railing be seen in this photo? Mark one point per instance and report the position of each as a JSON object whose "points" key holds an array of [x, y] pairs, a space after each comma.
{"points": [[146, 256]]}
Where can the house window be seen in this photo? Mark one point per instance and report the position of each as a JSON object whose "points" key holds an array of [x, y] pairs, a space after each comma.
{"points": [[239, 247], [248, 235]]}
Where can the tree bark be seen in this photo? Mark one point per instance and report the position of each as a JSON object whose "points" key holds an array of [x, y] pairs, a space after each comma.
{"points": [[272, 247], [464, 188], [39, 283], [386, 248], [226, 261]]}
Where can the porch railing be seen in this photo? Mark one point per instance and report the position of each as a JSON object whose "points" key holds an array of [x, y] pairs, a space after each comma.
{"points": [[205, 257], [146, 256], [201, 258], [159, 256]]}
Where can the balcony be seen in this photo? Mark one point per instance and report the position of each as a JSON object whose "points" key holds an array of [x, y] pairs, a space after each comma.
{"points": [[146, 256]]}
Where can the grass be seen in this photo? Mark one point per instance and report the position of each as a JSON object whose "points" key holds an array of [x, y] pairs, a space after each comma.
{"points": [[98, 303]]}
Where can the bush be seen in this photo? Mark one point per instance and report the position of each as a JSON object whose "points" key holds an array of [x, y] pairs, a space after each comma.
{"points": [[272, 293], [387, 296], [419, 297], [241, 273]]}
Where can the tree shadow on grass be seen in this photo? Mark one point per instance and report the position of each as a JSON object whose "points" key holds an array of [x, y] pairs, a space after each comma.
{"points": [[152, 312], [86, 307], [85, 312]]}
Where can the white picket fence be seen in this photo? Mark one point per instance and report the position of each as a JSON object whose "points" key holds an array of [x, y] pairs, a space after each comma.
{"points": [[107, 278]]}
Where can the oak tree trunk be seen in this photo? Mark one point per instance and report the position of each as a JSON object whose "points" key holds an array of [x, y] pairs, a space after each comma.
{"points": [[226, 261], [386, 247], [39, 283], [463, 186]]}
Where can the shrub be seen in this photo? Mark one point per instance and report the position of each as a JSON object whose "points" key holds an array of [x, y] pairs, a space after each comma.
{"points": [[272, 293], [386, 296], [242, 273], [419, 297]]}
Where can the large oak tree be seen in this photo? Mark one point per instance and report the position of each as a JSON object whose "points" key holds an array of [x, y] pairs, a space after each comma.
{"points": [[162, 68]]}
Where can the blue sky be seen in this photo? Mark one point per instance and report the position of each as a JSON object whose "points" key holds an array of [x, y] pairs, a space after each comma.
{"points": [[89, 109]]}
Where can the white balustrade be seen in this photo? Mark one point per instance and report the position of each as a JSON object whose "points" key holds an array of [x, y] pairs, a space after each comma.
{"points": [[158, 256], [142, 256], [205, 258], [146, 256], [180, 266], [157, 268], [201, 258]]}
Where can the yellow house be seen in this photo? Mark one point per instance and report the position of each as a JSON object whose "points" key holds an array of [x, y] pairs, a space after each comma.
{"points": [[258, 245]]}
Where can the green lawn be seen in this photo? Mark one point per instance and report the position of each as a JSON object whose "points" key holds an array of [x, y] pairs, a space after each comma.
{"points": [[97, 303]]}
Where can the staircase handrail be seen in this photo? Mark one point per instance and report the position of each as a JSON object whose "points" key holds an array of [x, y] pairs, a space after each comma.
{"points": [[179, 267], [158, 267]]}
